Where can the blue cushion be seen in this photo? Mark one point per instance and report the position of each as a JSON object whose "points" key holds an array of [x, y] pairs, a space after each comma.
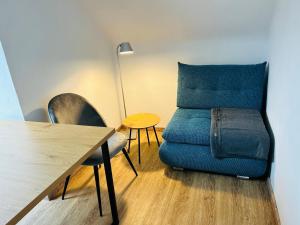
{"points": [[197, 157], [190, 126], [209, 86]]}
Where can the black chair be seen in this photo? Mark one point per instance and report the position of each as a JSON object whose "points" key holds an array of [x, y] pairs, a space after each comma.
{"points": [[71, 108]]}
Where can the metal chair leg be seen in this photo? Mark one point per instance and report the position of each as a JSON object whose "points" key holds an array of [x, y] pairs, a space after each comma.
{"points": [[148, 136], [65, 187], [156, 136], [96, 172], [129, 161]]}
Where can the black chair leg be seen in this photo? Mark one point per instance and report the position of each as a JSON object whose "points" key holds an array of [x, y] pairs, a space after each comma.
{"points": [[129, 161], [65, 187], [96, 172]]}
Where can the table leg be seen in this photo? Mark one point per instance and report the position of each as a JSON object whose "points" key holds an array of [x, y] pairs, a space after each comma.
{"points": [[129, 140], [148, 136], [156, 136], [139, 145], [110, 183]]}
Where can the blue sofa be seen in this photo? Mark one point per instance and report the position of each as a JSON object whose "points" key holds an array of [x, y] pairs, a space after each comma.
{"points": [[187, 137]]}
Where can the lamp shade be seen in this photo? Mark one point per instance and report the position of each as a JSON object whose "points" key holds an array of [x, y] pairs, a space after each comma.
{"points": [[125, 48]]}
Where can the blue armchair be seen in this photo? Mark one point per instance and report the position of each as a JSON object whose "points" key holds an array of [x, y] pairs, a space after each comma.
{"points": [[200, 88]]}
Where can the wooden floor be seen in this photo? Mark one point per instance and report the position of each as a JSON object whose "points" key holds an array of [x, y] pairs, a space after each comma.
{"points": [[159, 196]]}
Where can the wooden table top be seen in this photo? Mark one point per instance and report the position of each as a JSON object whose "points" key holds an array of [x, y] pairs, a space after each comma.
{"points": [[35, 157], [141, 120]]}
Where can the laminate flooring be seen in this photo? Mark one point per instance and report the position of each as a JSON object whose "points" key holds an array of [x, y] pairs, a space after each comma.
{"points": [[158, 196]]}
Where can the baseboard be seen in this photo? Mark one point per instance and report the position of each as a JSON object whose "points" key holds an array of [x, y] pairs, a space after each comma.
{"points": [[159, 129], [273, 202], [121, 127]]}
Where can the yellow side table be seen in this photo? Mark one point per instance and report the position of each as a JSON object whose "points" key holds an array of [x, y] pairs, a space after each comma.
{"points": [[141, 121]]}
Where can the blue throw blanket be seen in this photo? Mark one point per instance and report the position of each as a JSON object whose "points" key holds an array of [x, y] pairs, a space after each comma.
{"points": [[238, 133]]}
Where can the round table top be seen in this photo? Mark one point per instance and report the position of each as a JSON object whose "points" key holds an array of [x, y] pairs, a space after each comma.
{"points": [[141, 120]]}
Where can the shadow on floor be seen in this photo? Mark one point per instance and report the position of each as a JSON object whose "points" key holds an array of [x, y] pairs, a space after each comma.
{"points": [[150, 161], [255, 189]]}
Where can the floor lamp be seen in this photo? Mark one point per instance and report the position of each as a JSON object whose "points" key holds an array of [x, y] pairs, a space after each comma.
{"points": [[124, 49]]}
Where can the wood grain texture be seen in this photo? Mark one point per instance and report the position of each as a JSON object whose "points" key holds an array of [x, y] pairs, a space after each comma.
{"points": [[141, 120], [158, 196], [35, 157]]}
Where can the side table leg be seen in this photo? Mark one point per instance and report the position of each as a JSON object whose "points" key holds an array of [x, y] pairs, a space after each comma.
{"points": [[129, 140], [156, 136], [139, 145], [148, 136]]}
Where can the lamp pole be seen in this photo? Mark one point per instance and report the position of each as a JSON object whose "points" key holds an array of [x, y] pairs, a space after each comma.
{"points": [[121, 81], [123, 49]]}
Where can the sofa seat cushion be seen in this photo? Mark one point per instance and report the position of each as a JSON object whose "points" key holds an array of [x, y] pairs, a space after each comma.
{"points": [[198, 157], [189, 126]]}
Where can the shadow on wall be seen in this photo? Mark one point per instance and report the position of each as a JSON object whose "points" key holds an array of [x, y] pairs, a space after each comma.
{"points": [[268, 126], [272, 146], [39, 115]]}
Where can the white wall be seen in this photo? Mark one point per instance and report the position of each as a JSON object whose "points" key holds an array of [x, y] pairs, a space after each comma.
{"points": [[53, 47], [283, 109], [191, 31], [157, 21], [150, 75], [9, 103]]}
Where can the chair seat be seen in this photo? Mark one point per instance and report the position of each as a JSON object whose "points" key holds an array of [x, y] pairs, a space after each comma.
{"points": [[189, 126], [115, 144]]}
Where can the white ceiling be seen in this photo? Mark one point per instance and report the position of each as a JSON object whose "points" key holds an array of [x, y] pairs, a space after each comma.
{"points": [[167, 20]]}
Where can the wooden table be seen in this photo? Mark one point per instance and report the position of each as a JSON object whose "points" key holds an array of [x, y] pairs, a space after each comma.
{"points": [[141, 121], [35, 157]]}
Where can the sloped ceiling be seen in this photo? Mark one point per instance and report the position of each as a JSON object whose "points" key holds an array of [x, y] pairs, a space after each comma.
{"points": [[167, 20]]}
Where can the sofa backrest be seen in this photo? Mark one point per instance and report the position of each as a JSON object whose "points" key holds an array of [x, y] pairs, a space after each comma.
{"points": [[209, 86]]}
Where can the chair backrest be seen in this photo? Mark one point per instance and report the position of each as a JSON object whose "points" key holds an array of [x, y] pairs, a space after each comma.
{"points": [[71, 108], [233, 86]]}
